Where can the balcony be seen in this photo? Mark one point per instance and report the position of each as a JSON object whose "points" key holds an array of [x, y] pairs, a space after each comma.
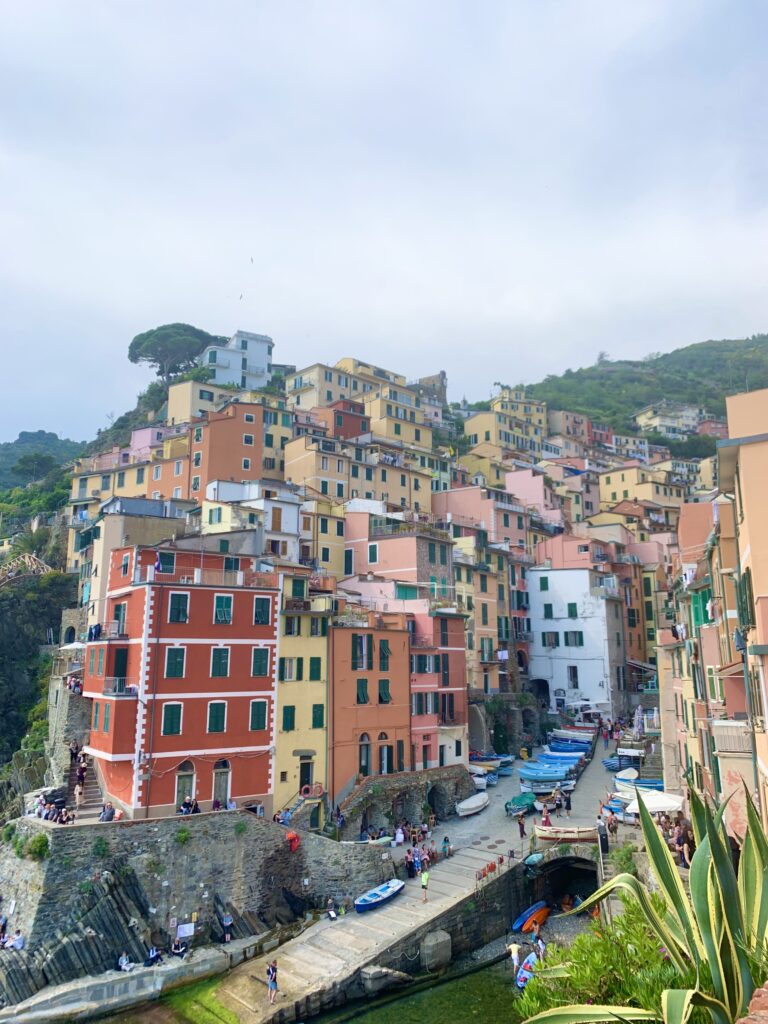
{"points": [[449, 721], [731, 737], [420, 640], [604, 592], [119, 686], [293, 604]]}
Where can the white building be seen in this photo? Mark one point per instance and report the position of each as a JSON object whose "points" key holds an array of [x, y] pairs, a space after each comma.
{"points": [[277, 505], [578, 637], [245, 360]]}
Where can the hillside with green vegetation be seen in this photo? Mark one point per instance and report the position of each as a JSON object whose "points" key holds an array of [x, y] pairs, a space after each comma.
{"points": [[612, 391], [32, 456]]}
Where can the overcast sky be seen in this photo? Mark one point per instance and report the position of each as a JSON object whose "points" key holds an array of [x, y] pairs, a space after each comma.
{"points": [[499, 189]]}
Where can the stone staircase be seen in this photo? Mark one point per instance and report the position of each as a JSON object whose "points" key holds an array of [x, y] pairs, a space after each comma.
{"points": [[94, 800], [652, 765]]}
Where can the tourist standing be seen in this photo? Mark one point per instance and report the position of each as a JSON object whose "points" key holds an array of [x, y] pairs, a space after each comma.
{"points": [[424, 882], [514, 955], [272, 982], [79, 795], [521, 825], [567, 801]]}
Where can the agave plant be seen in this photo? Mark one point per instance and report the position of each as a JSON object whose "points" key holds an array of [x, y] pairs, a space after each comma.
{"points": [[719, 930]]}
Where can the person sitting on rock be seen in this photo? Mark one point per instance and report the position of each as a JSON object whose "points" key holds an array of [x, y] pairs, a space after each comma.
{"points": [[178, 948], [125, 963]]}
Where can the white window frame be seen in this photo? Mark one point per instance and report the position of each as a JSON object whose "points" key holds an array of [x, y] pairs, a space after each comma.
{"points": [[180, 704], [195, 483], [249, 418], [197, 458], [208, 717], [177, 492], [248, 440], [177, 467], [221, 647], [258, 700], [157, 472], [231, 610], [246, 464], [175, 647], [292, 677]]}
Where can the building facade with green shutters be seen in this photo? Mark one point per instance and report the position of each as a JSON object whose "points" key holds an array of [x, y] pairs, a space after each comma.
{"points": [[301, 724]]}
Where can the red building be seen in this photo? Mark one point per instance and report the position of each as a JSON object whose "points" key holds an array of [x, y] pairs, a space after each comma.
{"points": [[343, 418], [713, 428], [438, 690], [599, 434], [370, 697], [182, 679]]}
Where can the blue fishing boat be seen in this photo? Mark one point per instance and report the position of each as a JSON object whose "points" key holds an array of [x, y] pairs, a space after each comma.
{"points": [[535, 774], [518, 923], [557, 746], [492, 779], [380, 895], [505, 770]]}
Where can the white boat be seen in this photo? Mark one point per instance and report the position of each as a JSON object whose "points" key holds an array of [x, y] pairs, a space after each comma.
{"points": [[472, 805], [546, 787], [564, 834], [627, 775], [571, 736], [480, 781], [481, 769]]}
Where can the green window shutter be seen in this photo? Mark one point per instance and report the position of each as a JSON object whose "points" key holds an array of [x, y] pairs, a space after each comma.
{"points": [[401, 755], [171, 720], [362, 691], [260, 664], [298, 588], [216, 716], [384, 653], [261, 611], [174, 663], [369, 651], [355, 651], [96, 716], [178, 608], [289, 718], [385, 697], [281, 670], [258, 715], [323, 627], [432, 552], [548, 612], [318, 716], [573, 611], [315, 665], [543, 583], [299, 668], [220, 663], [581, 639], [437, 662], [567, 636]]}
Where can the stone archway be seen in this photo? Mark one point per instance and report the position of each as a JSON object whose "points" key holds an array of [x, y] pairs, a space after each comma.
{"points": [[69, 635], [441, 800]]}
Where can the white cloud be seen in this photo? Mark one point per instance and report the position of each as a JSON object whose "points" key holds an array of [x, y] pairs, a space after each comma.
{"points": [[501, 189]]}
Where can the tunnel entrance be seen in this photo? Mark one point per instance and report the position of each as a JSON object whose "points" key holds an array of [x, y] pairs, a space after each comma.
{"points": [[574, 876]]}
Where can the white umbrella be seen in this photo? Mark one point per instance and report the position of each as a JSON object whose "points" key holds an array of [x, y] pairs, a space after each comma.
{"points": [[657, 803], [74, 646]]}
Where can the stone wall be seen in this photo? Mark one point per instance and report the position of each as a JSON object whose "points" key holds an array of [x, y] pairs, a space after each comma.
{"points": [[105, 888], [69, 717], [381, 799]]}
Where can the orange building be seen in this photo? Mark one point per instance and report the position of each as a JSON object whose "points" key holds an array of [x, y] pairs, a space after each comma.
{"points": [[181, 676], [343, 418], [370, 697]]}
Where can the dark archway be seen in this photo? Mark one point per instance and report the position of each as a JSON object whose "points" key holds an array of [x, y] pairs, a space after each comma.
{"points": [[522, 661], [69, 635], [561, 876], [540, 689], [441, 801]]}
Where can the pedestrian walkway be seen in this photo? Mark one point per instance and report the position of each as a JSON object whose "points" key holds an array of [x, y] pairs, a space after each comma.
{"points": [[328, 952]]}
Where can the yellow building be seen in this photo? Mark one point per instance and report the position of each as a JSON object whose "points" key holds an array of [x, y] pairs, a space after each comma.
{"points": [[322, 536], [321, 384], [301, 735], [342, 470], [639, 483], [504, 432], [395, 414], [522, 407], [191, 399], [477, 581]]}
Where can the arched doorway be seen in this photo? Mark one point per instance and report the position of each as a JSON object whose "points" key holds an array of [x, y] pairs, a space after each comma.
{"points": [[364, 747], [185, 782], [522, 661], [69, 635], [222, 773]]}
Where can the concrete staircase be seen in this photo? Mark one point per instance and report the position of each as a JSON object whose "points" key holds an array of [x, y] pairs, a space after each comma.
{"points": [[652, 766], [94, 800]]}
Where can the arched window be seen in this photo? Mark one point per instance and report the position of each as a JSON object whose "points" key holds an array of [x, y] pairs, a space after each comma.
{"points": [[185, 782], [222, 775], [522, 661], [365, 754], [69, 635]]}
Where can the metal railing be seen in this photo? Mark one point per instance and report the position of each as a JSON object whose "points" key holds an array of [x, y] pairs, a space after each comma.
{"points": [[119, 686]]}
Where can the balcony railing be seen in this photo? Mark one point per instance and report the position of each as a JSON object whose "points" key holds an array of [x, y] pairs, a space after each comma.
{"points": [[732, 737], [604, 592], [206, 578], [119, 686]]}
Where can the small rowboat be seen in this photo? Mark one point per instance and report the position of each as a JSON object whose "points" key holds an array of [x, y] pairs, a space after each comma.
{"points": [[523, 803], [555, 834], [505, 770], [517, 924], [492, 779], [542, 786], [472, 805], [537, 917], [377, 897], [480, 782]]}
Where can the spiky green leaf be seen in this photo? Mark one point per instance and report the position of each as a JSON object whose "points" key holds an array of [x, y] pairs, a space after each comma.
{"points": [[677, 1004], [591, 1015]]}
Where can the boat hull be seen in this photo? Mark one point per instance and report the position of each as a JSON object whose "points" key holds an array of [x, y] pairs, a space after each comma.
{"points": [[519, 921], [554, 834], [377, 897], [472, 805]]}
